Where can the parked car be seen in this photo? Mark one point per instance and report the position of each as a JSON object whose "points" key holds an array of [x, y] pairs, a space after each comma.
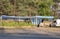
{"points": [[55, 23]]}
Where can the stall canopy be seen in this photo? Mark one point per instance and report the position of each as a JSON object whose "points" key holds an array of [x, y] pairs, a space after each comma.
{"points": [[34, 19], [38, 19]]}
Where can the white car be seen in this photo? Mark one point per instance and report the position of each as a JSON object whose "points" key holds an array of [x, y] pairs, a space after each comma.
{"points": [[58, 22], [55, 23]]}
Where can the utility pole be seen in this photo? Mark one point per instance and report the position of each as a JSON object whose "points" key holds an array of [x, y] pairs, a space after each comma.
{"points": [[15, 7]]}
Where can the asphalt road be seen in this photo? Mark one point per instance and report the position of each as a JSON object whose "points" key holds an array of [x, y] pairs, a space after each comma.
{"points": [[25, 34]]}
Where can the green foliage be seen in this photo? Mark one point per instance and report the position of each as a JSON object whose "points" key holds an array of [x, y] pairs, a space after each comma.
{"points": [[44, 7], [26, 7], [56, 0], [13, 23]]}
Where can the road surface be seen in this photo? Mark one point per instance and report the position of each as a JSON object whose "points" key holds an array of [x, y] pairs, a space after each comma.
{"points": [[27, 33]]}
